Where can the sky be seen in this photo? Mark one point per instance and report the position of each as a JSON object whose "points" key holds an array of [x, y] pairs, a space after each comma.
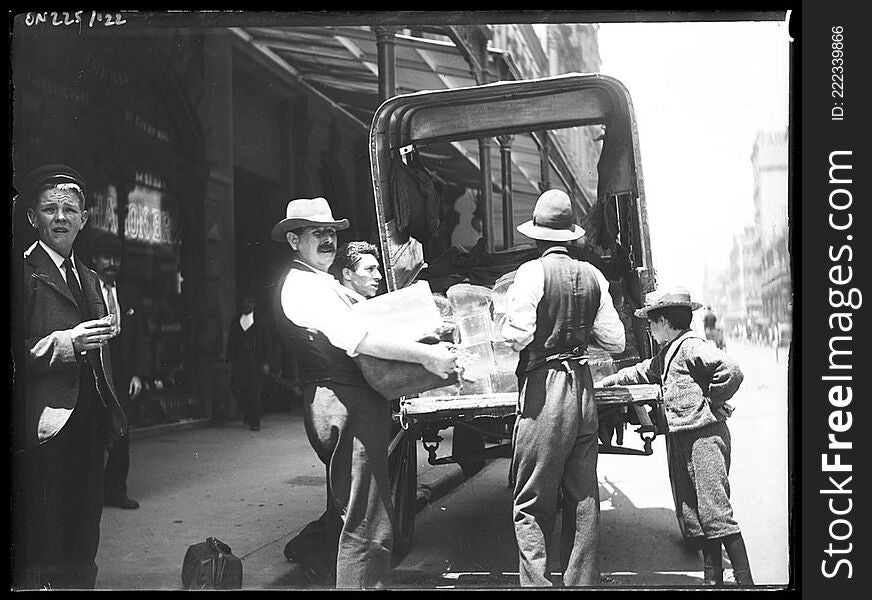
{"points": [[701, 92]]}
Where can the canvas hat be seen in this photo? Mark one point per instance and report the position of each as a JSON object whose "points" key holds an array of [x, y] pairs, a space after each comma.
{"points": [[49, 174], [666, 298], [552, 219], [306, 212]]}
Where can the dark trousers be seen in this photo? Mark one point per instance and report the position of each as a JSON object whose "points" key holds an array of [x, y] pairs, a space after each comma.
{"points": [[248, 391], [64, 490], [117, 468], [349, 429], [555, 455]]}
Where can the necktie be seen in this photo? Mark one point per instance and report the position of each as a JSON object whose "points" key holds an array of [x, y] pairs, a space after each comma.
{"points": [[73, 284], [112, 307]]}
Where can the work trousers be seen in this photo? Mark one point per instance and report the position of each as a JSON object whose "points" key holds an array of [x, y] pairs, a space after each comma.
{"points": [[65, 498], [699, 461], [349, 428], [248, 390], [555, 449]]}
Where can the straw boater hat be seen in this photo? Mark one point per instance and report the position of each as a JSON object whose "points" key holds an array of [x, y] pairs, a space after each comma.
{"points": [[670, 297], [306, 212], [552, 219]]}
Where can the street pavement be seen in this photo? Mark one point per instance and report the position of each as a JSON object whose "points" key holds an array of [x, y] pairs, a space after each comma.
{"points": [[256, 490], [466, 539], [253, 490]]}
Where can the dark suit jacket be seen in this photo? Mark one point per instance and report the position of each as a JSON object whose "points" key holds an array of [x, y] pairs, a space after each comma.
{"points": [[248, 351], [129, 351], [52, 373]]}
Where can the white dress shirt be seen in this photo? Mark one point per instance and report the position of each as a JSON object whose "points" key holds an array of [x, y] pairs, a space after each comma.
{"points": [[246, 320], [58, 260], [522, 300], [112, 290], [314, 299]]}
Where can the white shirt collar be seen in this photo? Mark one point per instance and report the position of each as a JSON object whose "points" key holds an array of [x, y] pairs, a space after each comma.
{"points": [[58, 260], [315, 271], [353, 294], [246, 320]]}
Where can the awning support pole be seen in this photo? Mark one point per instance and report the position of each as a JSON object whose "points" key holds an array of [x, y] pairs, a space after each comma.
{"points": [[506, 159], [387, 61], [484, 158], [544, 164]]}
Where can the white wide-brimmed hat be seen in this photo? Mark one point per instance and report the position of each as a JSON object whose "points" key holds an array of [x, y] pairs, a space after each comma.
{"points": [[665, 299], [552, 219], [306, 212]]}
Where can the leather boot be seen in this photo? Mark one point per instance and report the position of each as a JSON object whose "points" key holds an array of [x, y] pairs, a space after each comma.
{"points": [[743, 577], [734, 544], [713, 576], [712, 569]]}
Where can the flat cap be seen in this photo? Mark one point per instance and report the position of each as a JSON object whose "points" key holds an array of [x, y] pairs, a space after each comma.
{"points": [[49, 174]]}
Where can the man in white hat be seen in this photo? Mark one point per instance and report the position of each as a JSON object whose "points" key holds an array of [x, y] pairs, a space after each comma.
{"points": [[697, 380], [555, 307], [347, 422]]}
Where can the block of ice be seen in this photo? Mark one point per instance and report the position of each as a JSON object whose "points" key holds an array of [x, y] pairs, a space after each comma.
{"points": [[409, 313], [466, 298], [475, 328]]}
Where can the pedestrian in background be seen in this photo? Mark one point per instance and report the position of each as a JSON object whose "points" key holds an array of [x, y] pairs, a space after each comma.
{"points": [[71, 409], [697, 380], [130, 365], [555, 307], [249, 351]]}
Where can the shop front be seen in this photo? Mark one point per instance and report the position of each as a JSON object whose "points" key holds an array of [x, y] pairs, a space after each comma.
{"points": [[108, 108]]}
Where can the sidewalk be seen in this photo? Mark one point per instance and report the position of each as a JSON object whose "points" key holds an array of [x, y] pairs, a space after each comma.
{"points": [[252, 490]]}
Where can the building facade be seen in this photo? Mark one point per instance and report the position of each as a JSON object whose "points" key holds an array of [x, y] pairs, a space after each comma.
{"points": [[754, 295], [192, 138]]}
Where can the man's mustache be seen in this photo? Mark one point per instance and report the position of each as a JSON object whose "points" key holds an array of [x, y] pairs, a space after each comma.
{"points": [[326, 247]]}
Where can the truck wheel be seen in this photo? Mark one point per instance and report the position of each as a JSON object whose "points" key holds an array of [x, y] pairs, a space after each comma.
{"points": [[403, 468], [466, 442]]}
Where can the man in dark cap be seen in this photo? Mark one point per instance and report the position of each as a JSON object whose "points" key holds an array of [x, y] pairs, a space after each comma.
{"points": [[71, 410], [129, 351]]}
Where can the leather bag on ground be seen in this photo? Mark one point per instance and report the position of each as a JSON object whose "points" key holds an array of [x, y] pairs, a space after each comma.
{"points": [[211, 565]]}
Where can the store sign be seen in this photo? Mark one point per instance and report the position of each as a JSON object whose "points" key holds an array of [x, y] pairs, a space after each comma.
{"points": [[103, 211], [146, 220]]}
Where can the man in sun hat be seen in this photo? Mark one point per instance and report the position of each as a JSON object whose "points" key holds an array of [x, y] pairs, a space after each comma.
{"points": [[697, 379], [555, 307], [71, 409], [347, 422]]}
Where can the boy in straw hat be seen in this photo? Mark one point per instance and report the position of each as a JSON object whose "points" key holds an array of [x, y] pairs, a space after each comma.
{"points": [[555, 306], [697, 380]]}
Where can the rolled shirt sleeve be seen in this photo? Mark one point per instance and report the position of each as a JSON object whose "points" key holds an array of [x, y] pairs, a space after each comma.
{"points": [[522, 300], [608, 331], [312, 300]]}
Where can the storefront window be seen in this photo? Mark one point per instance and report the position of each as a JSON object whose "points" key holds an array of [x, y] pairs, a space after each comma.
{"points": [[152, 276]]}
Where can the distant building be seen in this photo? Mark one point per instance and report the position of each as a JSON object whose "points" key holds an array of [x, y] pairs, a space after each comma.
{"points": [[755, 290], [769, 159]]}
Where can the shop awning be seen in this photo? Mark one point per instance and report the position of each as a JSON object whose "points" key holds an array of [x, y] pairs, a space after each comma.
{"points": [[340, 64]]}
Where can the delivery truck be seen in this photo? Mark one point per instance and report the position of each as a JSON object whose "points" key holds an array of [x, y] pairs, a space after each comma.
{"points": [[489, 142]]}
